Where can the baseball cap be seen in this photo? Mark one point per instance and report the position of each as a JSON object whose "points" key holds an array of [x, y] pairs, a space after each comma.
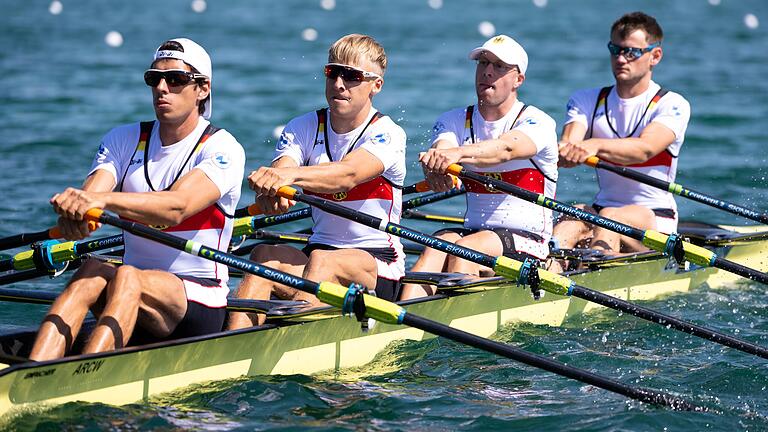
{"points": [[195, 56], [506, 49]]}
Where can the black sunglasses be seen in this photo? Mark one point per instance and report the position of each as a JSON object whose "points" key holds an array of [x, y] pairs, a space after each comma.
{"points": [[348, 73], [172, 77]]}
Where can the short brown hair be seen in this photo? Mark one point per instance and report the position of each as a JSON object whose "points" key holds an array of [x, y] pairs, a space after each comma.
{"points": [[632, 21], [353, 47]]}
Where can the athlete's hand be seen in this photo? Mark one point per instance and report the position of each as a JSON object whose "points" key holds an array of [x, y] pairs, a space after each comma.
{"points": [[438, 182], [71, 206], [266, 181], [271, 206], [438, 160], [575, 153]]}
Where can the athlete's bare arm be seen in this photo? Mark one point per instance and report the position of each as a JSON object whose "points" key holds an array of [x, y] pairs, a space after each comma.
{"points": [[356, 168], [512, 145], [654, 139], [192, 193]]}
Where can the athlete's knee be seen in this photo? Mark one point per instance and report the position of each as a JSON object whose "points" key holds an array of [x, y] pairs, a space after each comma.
{"points": [[262, 253], [321, 262], [126, 284]]}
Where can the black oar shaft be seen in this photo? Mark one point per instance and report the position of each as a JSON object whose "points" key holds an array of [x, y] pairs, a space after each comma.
{"points": [[491, 262], [668, 320], [638, 393], [693, 253], [392, 313], [681, 191], [18, 240]]}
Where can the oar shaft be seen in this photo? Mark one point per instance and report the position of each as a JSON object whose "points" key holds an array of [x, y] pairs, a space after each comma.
{"points": [[668, 320], [388, 312], [679, 190], [650, 238], [638, 393], [510, 269], [18, 240]]}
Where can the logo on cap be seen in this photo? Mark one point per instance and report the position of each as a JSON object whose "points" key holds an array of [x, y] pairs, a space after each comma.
{"points": [[499, 39]]}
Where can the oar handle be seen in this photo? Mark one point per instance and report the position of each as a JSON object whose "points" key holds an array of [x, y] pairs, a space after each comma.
{"points": [[423, 186], [55, 232]]}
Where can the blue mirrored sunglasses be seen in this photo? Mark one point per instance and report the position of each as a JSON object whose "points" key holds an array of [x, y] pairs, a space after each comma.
{"points": [[628, 52]]}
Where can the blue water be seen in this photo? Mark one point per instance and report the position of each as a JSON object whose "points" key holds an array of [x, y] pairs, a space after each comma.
{"points": [[63, 87]]}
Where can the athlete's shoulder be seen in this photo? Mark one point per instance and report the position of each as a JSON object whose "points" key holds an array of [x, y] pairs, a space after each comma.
{"points": [[126, 134]]}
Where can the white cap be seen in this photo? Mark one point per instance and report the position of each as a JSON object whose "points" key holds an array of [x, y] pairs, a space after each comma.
{"points": [[195, 56], [506, 49]]}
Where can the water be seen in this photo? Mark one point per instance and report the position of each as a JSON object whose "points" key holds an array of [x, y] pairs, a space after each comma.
{"points": [[64, 87]]}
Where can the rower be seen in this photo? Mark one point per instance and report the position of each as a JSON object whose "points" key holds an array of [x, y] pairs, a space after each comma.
{"points": [[634, 123], [349, 153], [502, 137], [178, 172]]}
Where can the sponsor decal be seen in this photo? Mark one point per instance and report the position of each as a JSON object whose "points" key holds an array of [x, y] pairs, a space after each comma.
{"points": [[530, 121], [499, 39], [136, 161], [38, 374], [221, 160], [382, 138], [88, 367], [102, 150], [438, 128], [571, 105], [340, 196], [282, 143]]}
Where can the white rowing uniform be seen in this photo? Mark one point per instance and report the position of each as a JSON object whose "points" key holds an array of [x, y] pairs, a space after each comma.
{"points": [[140, 163], [490, 209], [310, 140], [606, 115]]}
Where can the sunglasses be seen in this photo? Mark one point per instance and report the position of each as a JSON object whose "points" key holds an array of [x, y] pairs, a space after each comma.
{"points": [[630, 53], [172, 77], [348, 73]]}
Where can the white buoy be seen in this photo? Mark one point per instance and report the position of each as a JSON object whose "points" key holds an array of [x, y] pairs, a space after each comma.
{"points": [[540, 3], [751, 21], [55, 7], [278, 130], [435, 4], [199, 6], [486, 28], [309, 34], [328, 4], [113, 39], [714, 2]]}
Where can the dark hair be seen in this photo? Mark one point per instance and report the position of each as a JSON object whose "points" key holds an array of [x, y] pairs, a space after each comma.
{"points": [[632, 21], [172, 45]]}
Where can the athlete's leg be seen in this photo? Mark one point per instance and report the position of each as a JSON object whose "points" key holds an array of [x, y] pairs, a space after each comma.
{"points": [[431, 260], [487, 242], [633, 215], [279, 257], [63, 321], [341, 266], [155, 300], [569, 231]]}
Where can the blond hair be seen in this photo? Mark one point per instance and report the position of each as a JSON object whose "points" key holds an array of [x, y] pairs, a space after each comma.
{"points": [[352, 48]]}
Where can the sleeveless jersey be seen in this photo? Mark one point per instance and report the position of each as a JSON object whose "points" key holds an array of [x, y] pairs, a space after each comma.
{"points": [[136, 157], [309, 140], [605, 115], [486, 208]]}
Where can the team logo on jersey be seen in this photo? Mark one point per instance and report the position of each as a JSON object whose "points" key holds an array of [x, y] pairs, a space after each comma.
{"points": [[530, 121], [493, 175], [221, 160], [282, 143], [340, 196], [571, 105], [438, 128], [382, 138]]}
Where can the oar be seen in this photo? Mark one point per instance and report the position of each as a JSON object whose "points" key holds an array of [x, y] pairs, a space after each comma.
{"points": [[250, 224], [275, 307], [416, 214], [387, 312], [650, 238], [512, 269], [679, 190], [27, 238], [50, 256], [422, 186]]}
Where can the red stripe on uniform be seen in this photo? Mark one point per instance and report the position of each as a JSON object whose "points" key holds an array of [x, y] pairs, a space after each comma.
{"points": [[662, 159], [209, 218], [377, 188], [527, 178]]}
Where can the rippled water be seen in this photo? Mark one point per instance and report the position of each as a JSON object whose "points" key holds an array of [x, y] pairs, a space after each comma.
{"points": [[63, 88]]}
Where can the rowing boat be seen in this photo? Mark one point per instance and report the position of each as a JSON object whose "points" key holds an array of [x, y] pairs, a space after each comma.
{"points": [[318, 340]]}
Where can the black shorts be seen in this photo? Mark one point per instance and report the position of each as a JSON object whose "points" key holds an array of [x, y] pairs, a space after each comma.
{"points": [[665, 213], [386, 289], [200, 319], [505, 235]]}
